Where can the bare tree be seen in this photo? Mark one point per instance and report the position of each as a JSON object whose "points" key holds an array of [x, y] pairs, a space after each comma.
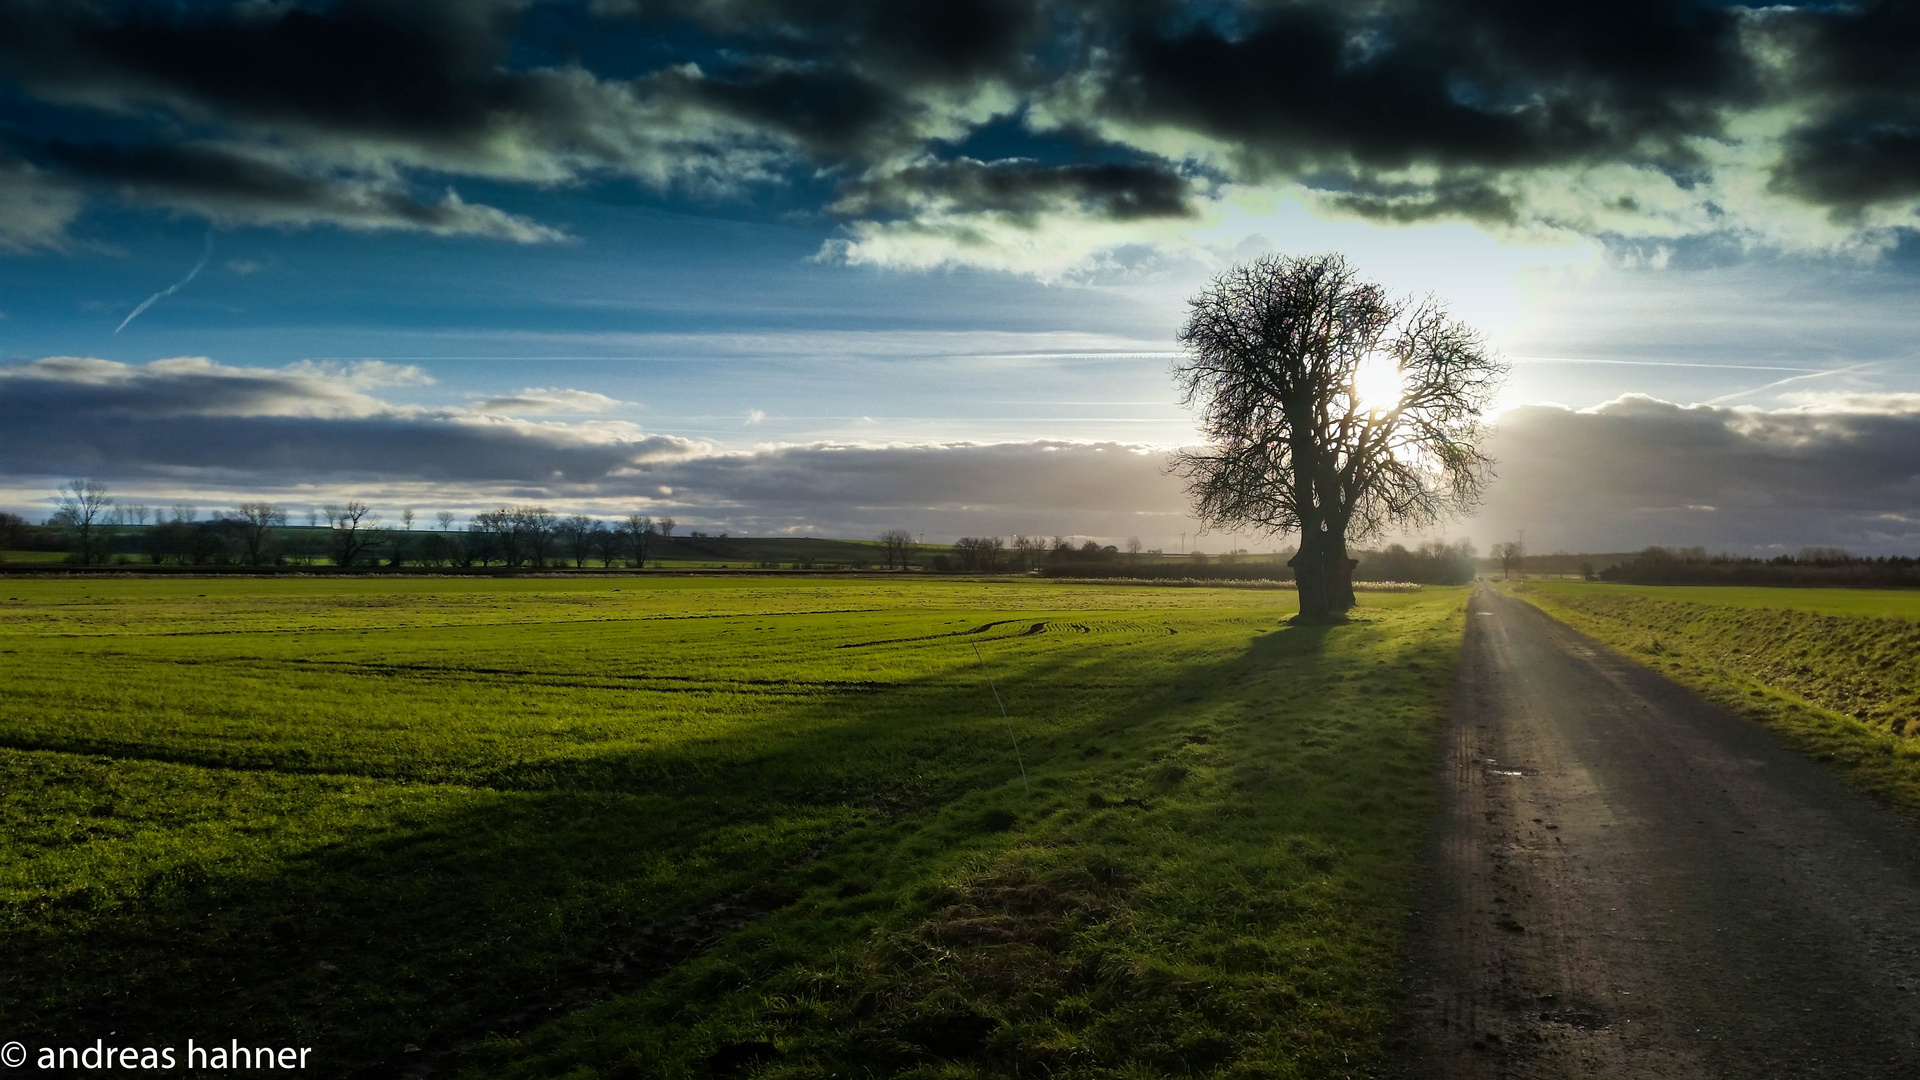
{"points": [[993, 553], [401, 545], [486, 539], [355, 529], [83, 505], [896, 543], [255, 521], [981, 553], [1030, 551], [13, 531], [435, 549], [638, 533], [445, 518], [536, 526], [490, 534], [577, 533], [666, 528], [1510, 553], [1332, 411], [606, 543]]}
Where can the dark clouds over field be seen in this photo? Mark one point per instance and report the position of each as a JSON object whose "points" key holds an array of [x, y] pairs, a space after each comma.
{"points": [[1840, 470], [951, 132], [1062, 140]]}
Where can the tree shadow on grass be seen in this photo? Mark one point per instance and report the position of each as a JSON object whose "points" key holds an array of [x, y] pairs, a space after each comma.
{"points": [[492, 912]]}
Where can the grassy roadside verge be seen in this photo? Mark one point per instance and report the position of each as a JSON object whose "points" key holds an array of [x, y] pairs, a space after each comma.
{"points": [[1212, 886], [1842, 688]]}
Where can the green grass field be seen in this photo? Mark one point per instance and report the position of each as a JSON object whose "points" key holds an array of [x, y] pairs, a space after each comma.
{"points": [[1837, 671], [700, 826], [1865, 603], [32, 558]]}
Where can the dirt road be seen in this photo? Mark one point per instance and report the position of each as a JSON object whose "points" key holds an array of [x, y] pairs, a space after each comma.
{"points": [[1634, 883]]}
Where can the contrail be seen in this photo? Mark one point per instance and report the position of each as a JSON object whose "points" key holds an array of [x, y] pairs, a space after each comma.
{"points": [[1783, 382], [173, 288]]}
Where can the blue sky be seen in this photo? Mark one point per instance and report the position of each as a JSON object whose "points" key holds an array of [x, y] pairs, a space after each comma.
{"points": [[788, 270]]}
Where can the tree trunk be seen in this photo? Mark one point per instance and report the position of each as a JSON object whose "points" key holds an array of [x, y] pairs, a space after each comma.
{"points": [[1340, 575], [1324, 576]]}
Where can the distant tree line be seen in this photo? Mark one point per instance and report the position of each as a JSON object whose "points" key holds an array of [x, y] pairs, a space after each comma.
{"points": [[94, 529], [1831, 567], [1029, 554], [1432, 563]]}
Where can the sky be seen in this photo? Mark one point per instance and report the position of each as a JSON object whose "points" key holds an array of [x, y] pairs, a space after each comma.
{"points": [[791, 267]]}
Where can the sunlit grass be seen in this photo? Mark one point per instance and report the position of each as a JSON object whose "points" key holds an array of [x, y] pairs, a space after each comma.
{"points": [[360, 814], [1871, 603]]}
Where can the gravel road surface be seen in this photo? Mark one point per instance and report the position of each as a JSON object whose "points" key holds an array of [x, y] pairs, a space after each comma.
{"points": [[1634, 883]]}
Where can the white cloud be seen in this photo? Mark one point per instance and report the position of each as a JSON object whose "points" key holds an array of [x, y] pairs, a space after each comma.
{"points": [[1845, 402], [542, 400], [197, 386]]}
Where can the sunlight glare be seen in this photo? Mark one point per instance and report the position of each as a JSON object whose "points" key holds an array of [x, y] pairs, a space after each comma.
{"points": [[1377, 385]]}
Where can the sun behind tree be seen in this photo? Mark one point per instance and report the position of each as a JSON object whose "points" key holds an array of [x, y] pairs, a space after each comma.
{"points": [[1332, 411]]}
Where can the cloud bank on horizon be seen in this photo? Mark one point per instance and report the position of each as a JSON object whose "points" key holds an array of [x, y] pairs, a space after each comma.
{"points": [[1825, 471], [1033, 135]]}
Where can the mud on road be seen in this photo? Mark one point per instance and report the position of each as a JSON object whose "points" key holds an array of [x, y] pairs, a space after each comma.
{"points": [[1634, 883]]}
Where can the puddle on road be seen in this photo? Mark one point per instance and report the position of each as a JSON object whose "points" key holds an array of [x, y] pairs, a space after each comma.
{"points": [[1497, 769]]}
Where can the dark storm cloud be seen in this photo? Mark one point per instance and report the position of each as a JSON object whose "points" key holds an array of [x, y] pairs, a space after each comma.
{"points": [[1639, 471], [425, 72], [359, 112], [1850, 163], [1115, 191], [1478, 85], [1860, 71], [829, 112], [285, 113], [958, 43]]}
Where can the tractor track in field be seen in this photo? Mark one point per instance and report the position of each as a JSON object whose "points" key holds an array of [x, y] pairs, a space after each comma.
{"points": [[1633, 883]]}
